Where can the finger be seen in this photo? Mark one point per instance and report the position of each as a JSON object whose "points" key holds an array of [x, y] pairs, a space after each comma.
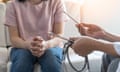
{"points": [[38, 38], [77, 25], [35, 52], [35, 55], [81, 29], [36, 43], [73, 38], [82, 24], [86, 25], [92, 27], [35, 48], [40, 45], [38, 54]]}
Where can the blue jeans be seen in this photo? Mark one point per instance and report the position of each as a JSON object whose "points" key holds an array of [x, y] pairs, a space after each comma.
{"points": [[23, 60]]}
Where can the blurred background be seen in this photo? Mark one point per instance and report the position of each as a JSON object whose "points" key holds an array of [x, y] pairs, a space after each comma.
{"points": [[105, 13]]}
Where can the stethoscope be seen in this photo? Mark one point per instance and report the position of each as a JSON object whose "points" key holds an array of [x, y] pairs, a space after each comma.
{"points": [[65, 53], [66, 48]]}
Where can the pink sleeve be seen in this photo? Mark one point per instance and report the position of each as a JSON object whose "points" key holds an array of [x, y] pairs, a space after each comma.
{"points": [[59, 14], [10, 19]]}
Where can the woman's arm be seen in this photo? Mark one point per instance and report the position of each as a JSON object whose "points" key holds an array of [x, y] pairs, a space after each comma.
{"points": [[58, 26], [57, 29], [15, 39]]}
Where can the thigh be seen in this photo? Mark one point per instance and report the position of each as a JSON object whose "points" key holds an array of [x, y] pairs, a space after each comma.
{"points": [[22, 60], [51, 61], [56, 51], [19, 54]]}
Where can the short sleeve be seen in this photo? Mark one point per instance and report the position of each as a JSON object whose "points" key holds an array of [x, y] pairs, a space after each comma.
{"points": [[59, 14], [10, 18], [117, 47]]}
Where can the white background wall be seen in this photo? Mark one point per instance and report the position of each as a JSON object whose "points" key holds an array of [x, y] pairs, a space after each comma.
{"points": [[105, 13], [73, 9]]}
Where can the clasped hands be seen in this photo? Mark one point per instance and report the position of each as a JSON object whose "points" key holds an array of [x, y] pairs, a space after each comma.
{"points": [[37, 46]]}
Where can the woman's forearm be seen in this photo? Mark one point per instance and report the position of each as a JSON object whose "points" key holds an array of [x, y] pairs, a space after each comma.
{"points": [[20, 43], [53, 42]]}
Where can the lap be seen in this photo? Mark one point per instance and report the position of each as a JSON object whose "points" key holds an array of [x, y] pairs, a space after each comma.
{"points": [[25, 55], [53, 52], [19, 54]]}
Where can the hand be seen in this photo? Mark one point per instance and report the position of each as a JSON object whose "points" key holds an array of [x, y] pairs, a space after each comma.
{"points": [[83, 45], [36, 51], [37, 47], [91, 30]]}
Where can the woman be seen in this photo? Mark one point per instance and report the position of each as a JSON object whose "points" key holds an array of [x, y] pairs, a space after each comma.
{"points": [[29, 22], [90, 41]]}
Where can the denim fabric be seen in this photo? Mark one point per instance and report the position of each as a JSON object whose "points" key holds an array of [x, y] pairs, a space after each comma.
{"points": [[23, 60]]}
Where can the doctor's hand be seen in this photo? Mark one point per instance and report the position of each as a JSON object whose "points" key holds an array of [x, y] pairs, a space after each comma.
{"points": [[83, 45], [91, 30], [37, 47]]}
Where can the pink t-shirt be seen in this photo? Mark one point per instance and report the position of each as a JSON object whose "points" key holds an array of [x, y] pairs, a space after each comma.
{"points": [[34, 20]]}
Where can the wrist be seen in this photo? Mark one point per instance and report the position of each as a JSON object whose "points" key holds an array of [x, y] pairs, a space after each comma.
{"points": [[45, 44], [27, 45]]}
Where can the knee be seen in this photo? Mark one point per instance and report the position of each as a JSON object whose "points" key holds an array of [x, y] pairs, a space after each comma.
{"points": [[22, 60], [56, 51], [52, 58], [21, 66], [20, 56]]}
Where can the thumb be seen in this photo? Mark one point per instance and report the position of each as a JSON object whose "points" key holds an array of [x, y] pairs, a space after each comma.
{"points": [[81, 28]]}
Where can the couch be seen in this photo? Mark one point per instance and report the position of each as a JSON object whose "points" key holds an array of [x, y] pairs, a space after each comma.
{"points": [[3, 50], [5, 63]]}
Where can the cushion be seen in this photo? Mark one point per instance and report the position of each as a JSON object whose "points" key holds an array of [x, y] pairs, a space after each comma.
{"points": [[2, 16], [3, 59]]}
